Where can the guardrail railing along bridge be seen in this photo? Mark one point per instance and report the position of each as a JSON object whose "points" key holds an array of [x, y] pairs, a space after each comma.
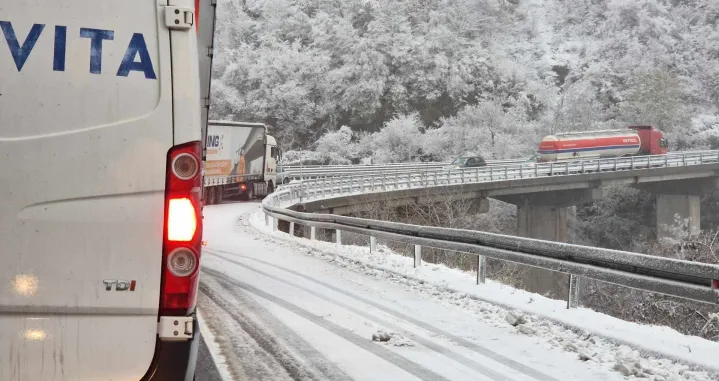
{"points": [[690, 280]]}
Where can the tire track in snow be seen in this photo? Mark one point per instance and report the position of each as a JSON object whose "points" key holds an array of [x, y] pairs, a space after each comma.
{"points": [[290, 354], [381, 352], [531, 372], [247, 359]]}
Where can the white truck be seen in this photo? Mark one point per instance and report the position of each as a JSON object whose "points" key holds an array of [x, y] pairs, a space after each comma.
{"points": [[241, 161], [101, 110]]}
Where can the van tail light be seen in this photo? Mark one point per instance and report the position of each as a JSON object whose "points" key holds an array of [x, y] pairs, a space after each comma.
{"points": [[182, 241]]}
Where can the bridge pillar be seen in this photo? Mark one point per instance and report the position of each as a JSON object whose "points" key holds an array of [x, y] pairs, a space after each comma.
{"points": [[684, 206], [543, 215], [678, 198], [542, 222]]}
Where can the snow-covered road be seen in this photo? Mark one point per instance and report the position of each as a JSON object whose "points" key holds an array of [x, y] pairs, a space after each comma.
{"points": [[279, 314]]}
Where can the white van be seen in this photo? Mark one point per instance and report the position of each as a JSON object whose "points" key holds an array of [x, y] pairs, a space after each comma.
{"points": [[100, 188]]}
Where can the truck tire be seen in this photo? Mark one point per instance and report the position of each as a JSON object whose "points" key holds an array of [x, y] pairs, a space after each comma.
{"points": [[286, 180], [211, 196], [250, 193]]}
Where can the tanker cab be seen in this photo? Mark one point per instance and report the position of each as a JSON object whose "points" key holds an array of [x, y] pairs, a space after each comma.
{"points": [[652, 140]]}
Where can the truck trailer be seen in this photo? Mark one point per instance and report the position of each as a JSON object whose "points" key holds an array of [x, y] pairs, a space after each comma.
{"points": [[636, 140], [241, 161]]}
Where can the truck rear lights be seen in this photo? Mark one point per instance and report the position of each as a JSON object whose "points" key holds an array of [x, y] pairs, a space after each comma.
{"points": [[185, 166], [182, 241], [243, 187], [181, 262], [181, 220]]}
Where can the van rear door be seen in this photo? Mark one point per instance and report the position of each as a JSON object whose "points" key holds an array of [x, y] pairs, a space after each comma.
{"points": [[86, 122]]}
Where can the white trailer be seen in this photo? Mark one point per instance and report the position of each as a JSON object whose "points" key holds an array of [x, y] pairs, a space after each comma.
{"points": [[241, 161]]}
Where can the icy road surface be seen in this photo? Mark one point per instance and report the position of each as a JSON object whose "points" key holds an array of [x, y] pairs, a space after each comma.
{"points": [[277, 314]]}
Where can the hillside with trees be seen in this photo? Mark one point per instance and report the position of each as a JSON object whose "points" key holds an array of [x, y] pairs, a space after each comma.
{"points": [[449, 76]]}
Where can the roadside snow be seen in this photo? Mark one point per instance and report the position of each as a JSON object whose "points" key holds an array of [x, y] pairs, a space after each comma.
{"points": [[647, 352], [214, 346]]}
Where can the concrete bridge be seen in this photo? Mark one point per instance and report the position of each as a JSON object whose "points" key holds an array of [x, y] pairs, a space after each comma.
{"points": [[542, 201], [542, 193]]}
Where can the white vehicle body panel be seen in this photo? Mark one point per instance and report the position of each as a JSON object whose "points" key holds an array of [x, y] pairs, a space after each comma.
{"points": [[82, 188]]}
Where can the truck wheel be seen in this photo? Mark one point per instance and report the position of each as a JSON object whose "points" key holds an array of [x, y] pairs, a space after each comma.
{"points": [[249, 193], [211, 196], [286, 180]]}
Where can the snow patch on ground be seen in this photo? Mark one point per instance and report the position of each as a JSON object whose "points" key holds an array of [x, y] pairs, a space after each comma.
{"points": [[646, 352], [215, 348]]}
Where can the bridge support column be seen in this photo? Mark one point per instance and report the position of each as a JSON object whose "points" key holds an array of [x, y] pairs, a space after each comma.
{"points": [[542, 222], [670, 206], [678, 198], [543, 215]]}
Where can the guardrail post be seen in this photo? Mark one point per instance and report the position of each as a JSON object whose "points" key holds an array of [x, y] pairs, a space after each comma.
{"points": [[417, 256], [267, 220], [506, 173], [491, 173], [481, 269], [372, 245], [313, 233], [275, 222], [338, 238], [573, 297], [292, 229]]}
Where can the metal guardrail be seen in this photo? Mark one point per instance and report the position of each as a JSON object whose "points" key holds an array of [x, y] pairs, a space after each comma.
{"points": [[679, 278], [684, 279], [296, 171], [381, 181]]}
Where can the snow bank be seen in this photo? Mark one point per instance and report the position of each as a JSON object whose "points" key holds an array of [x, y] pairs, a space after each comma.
{"points": [[215, 348], [630, 348]]}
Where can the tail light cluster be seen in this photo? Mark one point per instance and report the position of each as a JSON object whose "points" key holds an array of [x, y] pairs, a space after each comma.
{"points": [[183, 229]]}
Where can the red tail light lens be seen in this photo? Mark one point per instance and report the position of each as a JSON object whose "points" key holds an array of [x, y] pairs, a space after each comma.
{"points": [[183, 230]]}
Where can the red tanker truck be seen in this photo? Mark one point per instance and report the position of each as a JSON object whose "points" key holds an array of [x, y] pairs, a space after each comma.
{"points": [[636, 140]]}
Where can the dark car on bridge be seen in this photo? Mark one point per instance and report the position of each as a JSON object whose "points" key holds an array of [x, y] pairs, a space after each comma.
{"points": [[467, 162]]}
